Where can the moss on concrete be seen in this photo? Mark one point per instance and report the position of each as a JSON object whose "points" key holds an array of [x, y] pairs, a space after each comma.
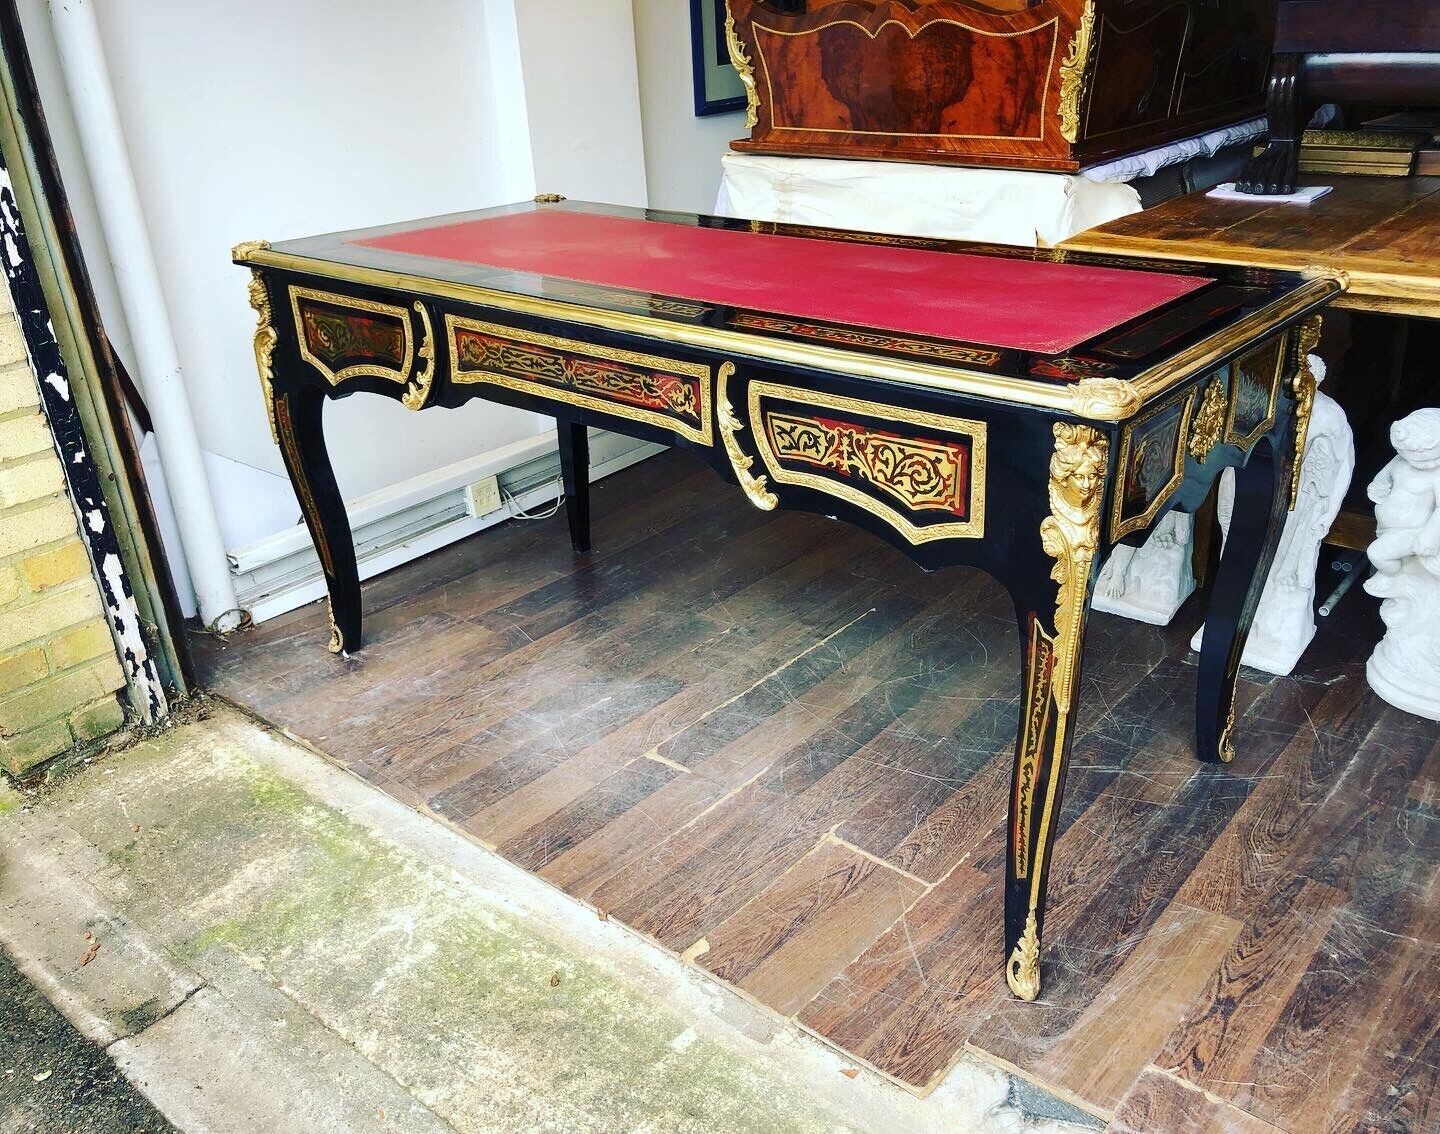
{"points": [[481, 1017]]}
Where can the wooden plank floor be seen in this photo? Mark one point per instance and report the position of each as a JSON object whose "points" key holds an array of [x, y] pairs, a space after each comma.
{"points": [[782, 751]]}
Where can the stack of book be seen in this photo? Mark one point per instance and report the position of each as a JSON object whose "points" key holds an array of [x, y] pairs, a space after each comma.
{"points": [[1423, 122], [1376, 153]]}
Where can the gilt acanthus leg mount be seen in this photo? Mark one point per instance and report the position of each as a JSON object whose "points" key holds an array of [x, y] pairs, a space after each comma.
{"points": [[1070, 536]]}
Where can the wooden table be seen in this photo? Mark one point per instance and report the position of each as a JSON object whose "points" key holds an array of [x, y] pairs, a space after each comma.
{"points": [[1374, 53], [1381, 234], [970, 404]]}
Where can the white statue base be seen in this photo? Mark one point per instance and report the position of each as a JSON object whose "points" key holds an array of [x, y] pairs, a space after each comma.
{"points": [[1285, 619], [1151, 582], [1405, 667]]}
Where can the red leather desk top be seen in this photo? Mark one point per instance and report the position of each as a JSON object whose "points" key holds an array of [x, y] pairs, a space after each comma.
{"points": [[995, 300]]}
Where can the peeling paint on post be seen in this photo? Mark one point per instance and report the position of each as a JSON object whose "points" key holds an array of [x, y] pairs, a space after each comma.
{"points": [[147, 697]]}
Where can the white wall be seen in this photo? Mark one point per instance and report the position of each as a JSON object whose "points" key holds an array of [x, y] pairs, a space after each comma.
{"points": [[278, 119], [583, 99], [682, 152], [287, 118]]}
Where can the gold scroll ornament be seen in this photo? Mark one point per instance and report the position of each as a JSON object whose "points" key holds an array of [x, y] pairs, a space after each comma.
{"points": [[753, 486], [1304, 390], [417, 393], [265, 336], [1072, 75], [265, 339], [1209, 420], [1070, 535], [744, 68]]}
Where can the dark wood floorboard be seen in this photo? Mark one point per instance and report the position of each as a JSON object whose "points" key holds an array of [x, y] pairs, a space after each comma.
{"points": [[780, 749], [785, 945]]}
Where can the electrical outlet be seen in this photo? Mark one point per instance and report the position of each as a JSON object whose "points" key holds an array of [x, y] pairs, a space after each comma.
{"points": [[483, 497]]}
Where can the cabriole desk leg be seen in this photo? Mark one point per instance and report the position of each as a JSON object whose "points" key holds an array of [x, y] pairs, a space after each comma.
{"points": [[1255, 529], [575, 472], [1052, 639], [302, 442]]}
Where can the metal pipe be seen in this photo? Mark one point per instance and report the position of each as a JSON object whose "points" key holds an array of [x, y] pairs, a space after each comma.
{"points": [[82, 60], [1353, 564]]}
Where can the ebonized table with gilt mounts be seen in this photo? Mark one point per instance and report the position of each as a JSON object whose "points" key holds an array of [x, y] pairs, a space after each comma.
{"points": [[1013, 410]]}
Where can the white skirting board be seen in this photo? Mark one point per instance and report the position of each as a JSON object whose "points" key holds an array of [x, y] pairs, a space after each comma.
{"points": [[281, 572], [398, 524]]}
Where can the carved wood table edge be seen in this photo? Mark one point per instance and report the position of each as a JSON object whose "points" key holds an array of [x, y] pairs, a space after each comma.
{"points": [[1027, 461], [1380, 237]]}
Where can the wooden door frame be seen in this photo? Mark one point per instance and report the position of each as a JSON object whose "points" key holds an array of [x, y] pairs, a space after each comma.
{"points": [[86, 409]]}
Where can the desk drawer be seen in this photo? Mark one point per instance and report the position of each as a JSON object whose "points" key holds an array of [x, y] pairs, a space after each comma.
{"points": [[648, 388], [921, 473]]}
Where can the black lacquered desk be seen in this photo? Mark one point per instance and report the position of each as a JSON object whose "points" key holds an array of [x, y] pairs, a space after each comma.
{"points": [[1011, 410]]}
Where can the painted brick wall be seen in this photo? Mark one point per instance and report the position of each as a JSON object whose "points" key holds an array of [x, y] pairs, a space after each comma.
{"points": [[58, 670]]}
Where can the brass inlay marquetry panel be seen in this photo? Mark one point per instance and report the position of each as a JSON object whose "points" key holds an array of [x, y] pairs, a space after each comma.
{"points": [[656, 391], [1034, 727], [1142, 448], [637, 301], [920, 473], [358, 327], [846, 336], [923, 475], [1254, 389]]}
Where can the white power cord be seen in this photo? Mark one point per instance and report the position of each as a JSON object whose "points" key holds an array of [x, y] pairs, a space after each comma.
{"points": [[518, 513]]}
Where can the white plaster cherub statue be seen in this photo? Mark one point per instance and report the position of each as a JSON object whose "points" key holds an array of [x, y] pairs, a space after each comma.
{"points": [[1405, 667]]}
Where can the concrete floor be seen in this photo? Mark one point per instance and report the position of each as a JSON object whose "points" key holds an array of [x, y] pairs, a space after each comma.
{"points": [[282, 947]]}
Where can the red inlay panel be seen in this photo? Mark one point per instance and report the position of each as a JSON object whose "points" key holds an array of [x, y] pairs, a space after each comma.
{"points": [[921, 473], [334, 335], [994, 300]]}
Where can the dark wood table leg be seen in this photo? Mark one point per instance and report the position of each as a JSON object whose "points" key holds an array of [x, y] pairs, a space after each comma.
{"points": [[575, 472], [298, 428], [1050, 676], [1274, 171], [1261, 503]]}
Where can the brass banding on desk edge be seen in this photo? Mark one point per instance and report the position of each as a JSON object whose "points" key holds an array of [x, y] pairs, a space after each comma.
{"points": [[1209, 353], [1119, 400]]}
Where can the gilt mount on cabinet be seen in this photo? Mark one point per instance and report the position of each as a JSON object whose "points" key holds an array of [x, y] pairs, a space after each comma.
{"points": [[1053, 84]]}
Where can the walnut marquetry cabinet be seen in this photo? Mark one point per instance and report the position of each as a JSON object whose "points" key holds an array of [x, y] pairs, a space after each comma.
{"points": [[1048, 84]]}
